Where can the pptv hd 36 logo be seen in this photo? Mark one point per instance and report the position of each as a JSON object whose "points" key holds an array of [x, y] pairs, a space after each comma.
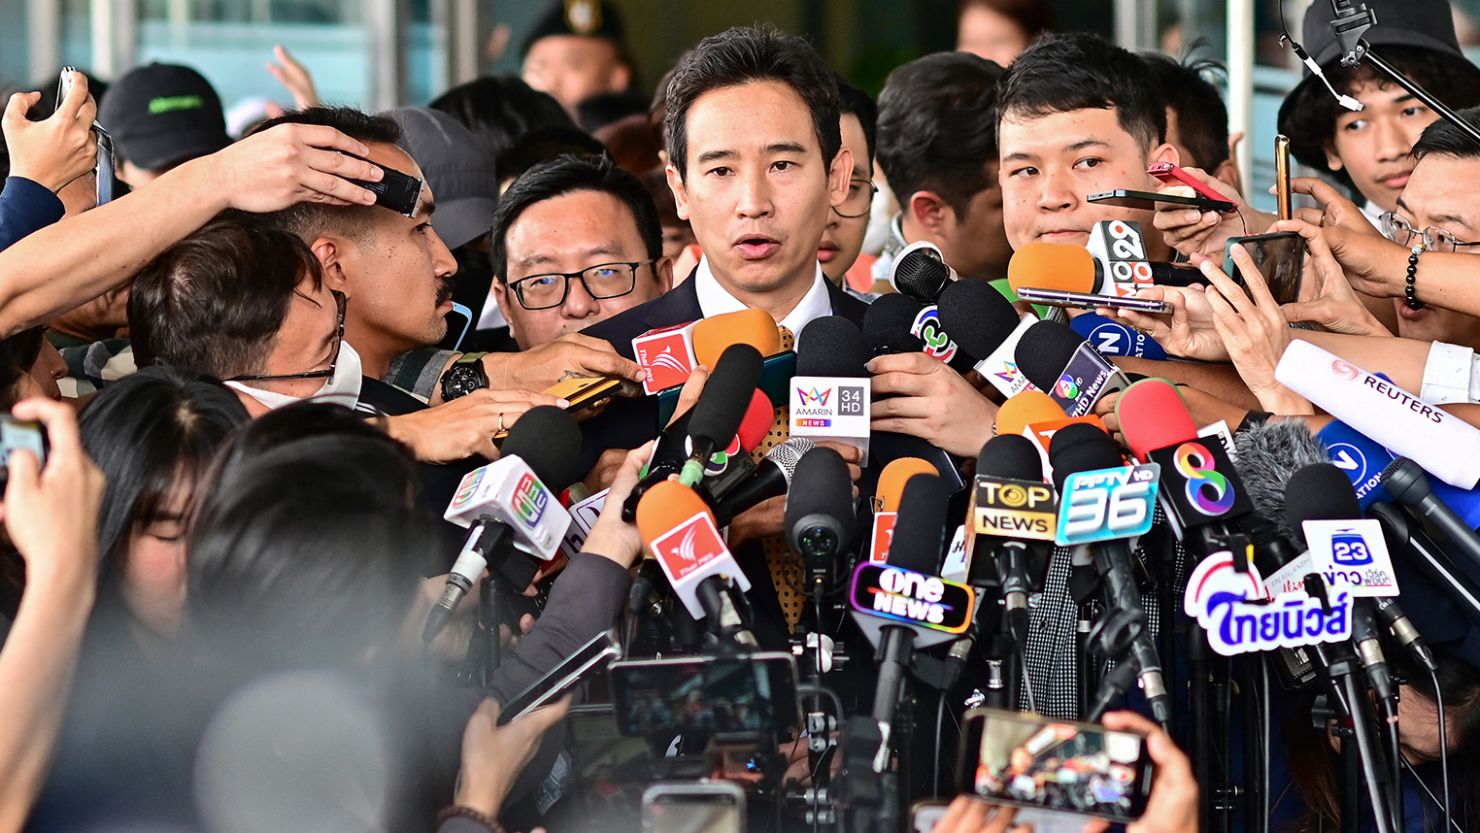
{"points": [[530, 499]]}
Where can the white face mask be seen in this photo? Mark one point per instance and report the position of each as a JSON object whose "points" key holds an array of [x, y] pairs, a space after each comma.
{"points": [[343, 388]]}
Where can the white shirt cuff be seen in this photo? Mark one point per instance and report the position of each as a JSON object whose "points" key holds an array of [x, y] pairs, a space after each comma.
{"points": [[1450, 375]]}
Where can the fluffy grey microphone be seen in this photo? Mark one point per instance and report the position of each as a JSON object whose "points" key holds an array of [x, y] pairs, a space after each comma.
{"points": [[1267, 455]]}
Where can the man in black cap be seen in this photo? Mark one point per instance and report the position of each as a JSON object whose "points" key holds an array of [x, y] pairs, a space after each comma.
{"points": [[159, 116], [577, 50], [1369, 151]]}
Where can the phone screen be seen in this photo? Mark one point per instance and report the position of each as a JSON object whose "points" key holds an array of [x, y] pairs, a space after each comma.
{"points": [[1032, 761], [721, 696], [16, 435], [1280, 258], [588, 659], [698, 808]]}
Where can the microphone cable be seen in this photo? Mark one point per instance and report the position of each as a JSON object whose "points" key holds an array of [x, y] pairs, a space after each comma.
{"points": [[1443, 751]]}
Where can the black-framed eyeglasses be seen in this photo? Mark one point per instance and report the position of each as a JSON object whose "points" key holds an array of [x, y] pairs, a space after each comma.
{"points": [[602, 281], [340, 301], [1435, 239], [859, 200]]}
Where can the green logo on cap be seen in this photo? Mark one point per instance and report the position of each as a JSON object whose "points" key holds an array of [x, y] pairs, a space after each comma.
{"points": [[169, 104]]}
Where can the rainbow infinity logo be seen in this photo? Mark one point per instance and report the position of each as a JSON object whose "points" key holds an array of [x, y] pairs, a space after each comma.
{"points": [[1195, 462], [1066, 387], [816, 396]]}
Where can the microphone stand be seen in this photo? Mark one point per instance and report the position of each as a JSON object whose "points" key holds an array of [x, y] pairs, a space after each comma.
{"points": [[1349, 24], [1341, 666]]}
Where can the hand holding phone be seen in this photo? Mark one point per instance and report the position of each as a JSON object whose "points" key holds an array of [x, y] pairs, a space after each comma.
{"points": [[1149, 200], [1170, 174], [587, 660]]}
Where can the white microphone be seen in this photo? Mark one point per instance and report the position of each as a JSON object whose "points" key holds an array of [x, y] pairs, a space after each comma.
{"points": [[1444, 445], [830, 394]]}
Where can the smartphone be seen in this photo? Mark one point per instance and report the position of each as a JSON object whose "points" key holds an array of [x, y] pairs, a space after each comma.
{"points": [[18, 435], [588, 659], [925, 815], [1280, 258], [107, 184], [397, 191], [1086, 300], [459, 321], [1282, 175], [1028, 760], [586, 392], [722, 696], [1147, 200], [694, 807], [1172, 175]]}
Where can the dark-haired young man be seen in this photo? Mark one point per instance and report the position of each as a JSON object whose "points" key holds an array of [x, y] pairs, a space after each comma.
{"points": [[1077, 115], [575, 242], [938, 149]]}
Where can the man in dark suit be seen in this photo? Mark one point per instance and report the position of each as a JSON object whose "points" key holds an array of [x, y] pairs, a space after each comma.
{"points": [[756, 165]]}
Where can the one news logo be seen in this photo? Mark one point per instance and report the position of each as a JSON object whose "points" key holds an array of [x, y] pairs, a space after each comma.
{"points": [[665, 358], [688, 546], [1015, 508], [814, 396], [530, 499], [907, 596]]}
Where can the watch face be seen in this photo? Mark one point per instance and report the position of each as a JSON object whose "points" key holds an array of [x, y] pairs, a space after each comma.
{"points": [[462, 380]]}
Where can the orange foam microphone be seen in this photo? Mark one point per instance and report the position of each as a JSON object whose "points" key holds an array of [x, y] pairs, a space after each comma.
{"points": [[679, 529], [1061, 266], [748, 326], [887, 496], [1027, 408]]}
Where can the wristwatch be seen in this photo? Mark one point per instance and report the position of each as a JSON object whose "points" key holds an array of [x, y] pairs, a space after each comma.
{"points": [[465, 376]]}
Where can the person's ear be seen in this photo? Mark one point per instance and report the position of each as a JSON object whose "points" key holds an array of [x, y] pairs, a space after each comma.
{"points": [[680, 194], [663, 269], [837, 176], [1228, 171], [329, 251], [1333, 159], [621, 77], [1165, 152], [499, 292], [930, 212]]}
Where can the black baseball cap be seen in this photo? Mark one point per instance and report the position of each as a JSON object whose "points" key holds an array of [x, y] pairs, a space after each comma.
{"points": [[161, 115], [460, 175], [579, 18], [1421, 24]]}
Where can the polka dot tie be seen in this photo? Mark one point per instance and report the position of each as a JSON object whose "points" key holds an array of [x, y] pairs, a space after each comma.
{"points": [[785, 566]]}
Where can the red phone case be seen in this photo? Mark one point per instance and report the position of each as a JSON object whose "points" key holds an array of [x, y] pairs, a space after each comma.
{"points": [[1172, 175]]}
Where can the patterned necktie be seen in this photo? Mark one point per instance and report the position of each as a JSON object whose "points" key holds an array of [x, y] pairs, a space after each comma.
{"points": [[785, 566]]}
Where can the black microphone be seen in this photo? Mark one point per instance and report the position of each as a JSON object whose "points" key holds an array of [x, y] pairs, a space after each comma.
{"points": [[1083, 447], [917, 545], [1005, 561], [820, 519], [1059, 362], [772, 478], [1406, 482], [904, 325], [920, 271], [1321, 492], [721, 408], [987, 326]]}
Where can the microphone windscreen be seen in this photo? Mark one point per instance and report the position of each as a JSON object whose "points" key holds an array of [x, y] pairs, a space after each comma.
{"points": [[727, 395], [750, 326], [831, 346], [978, 318], [1027, 408], [789, 454], [820, 485], [1081, 447], [1012, 456], [1152, 416], [920, 530], [888, 323], [666, 505], [759, 418], [894, 476], [1268, 453], [920, 271], [1061, 266], [1044, 351], [548, 440], [1319, 492]]}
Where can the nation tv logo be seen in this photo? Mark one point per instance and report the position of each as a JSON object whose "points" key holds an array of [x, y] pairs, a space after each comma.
{"points": [[688, 546], [530, 499]]}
